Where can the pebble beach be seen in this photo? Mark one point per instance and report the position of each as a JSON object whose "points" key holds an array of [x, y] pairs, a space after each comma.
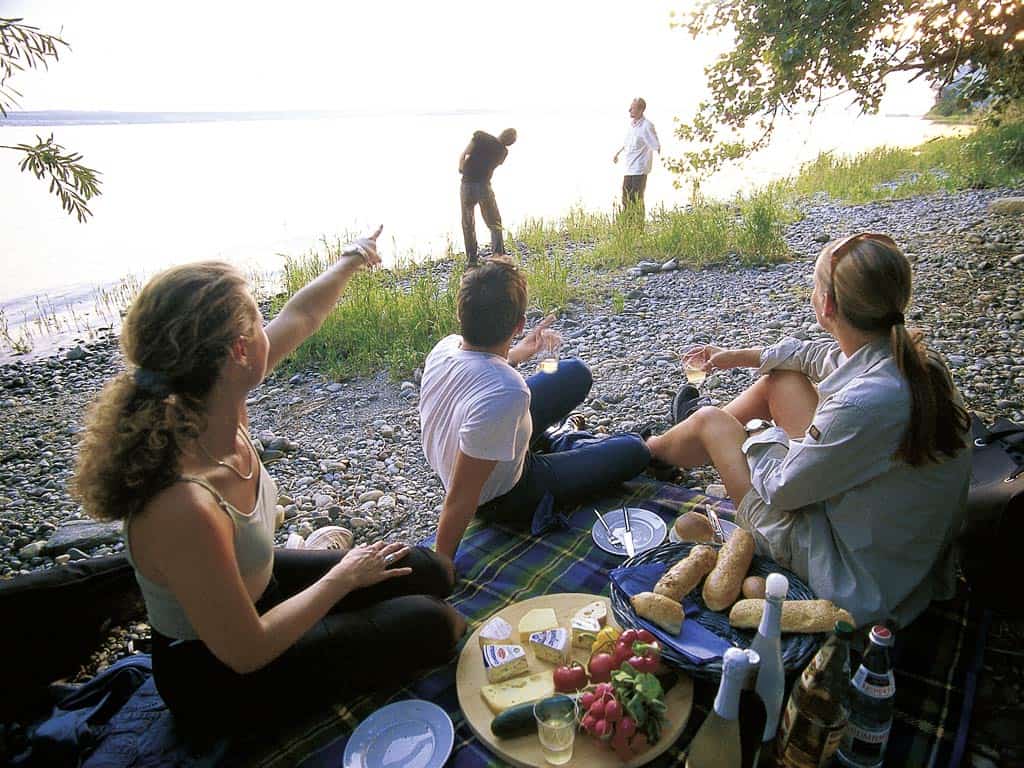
{"points": [[348, 453]]}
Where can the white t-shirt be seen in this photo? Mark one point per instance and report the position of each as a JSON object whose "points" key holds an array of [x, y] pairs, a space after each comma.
{"points": [[477, 403], [640, 140]]}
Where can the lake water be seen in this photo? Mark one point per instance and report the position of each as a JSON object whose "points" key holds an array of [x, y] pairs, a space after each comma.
{"points": [[250, 190]]}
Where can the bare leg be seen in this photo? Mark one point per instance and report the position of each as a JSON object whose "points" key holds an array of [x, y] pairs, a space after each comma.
{"points": [[716, 435], [786, 397], [709, 435]]}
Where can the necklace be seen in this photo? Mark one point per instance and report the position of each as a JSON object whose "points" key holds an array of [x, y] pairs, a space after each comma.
{"points": [[225, 464]]}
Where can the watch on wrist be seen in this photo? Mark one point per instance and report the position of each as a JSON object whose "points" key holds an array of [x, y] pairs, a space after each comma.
{"points": [[757, 425]]}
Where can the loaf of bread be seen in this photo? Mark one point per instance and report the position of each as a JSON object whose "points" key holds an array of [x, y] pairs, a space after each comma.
{"points": [[687, 573], [666, 613], [722, 586], [693, 526], [797, 615]]}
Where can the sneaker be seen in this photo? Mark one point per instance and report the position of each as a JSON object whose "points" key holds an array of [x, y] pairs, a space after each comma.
{"points": [[330, 537], [686, 401]]}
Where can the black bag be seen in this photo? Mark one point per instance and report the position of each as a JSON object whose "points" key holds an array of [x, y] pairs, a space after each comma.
{"points": [[993, 533]]}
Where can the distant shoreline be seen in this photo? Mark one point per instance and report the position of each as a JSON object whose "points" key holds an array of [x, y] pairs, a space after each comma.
{"points": [[41, 118]]}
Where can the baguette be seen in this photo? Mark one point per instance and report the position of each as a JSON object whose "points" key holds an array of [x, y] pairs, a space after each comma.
{"points": [[797, 615], [687, 573], [666, 613], [722, 586]]}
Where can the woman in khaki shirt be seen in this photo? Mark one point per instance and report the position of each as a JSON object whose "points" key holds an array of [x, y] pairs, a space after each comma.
{"points": [[860, 485]]}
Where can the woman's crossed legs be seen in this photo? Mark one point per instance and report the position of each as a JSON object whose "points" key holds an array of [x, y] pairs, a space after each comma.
{"points": [[716, 435]]}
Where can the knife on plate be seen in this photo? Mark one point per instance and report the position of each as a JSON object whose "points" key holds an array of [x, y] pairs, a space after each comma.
{"points": [[627, 537]]}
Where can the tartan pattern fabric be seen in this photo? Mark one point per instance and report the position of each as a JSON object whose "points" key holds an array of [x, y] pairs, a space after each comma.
{"points": [[499, 566]]}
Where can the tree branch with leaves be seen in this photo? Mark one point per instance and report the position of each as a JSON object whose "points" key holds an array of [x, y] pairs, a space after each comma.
{"points": [[23, 47], [798, 53]]}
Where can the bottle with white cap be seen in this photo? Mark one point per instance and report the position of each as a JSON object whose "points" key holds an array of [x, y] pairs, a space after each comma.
{"points": [[717, 743], [771, 678]]}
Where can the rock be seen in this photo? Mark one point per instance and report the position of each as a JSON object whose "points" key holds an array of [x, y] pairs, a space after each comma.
{"points": [[1007, 205], [76, 353], [387, 431], [1017, 260], [322, 500], [822, 237], [35, 549], [386, 502], [359, 522], [84, 534], [62, 559], [648, 267], [369, 496], [670, 266], [76, 554]]}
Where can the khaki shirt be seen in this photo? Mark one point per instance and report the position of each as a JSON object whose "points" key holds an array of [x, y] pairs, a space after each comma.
{"points": [[867, 531]]}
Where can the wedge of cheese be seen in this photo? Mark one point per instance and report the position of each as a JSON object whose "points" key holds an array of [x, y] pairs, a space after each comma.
{"points": [[497, 631], [584, 632], [519, 690], [537, 620], [504, 661], [596, 610], [551, 645]]}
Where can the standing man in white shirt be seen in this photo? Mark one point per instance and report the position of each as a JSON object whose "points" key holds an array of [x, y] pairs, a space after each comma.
{"points": [[640, 144]]}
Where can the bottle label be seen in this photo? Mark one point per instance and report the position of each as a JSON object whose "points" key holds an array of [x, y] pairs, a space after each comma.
{"points": [[855, 732], [806, 742], [884, 691]]}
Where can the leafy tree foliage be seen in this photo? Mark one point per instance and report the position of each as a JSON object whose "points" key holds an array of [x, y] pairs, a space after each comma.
{"points": [[791, 53], [25, 47]]}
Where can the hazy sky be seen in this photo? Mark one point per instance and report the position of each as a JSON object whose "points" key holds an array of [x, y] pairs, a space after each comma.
{"points": [[376, 55]]}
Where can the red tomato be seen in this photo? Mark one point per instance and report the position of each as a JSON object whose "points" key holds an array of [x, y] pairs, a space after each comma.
{"points": [[570, 678]]}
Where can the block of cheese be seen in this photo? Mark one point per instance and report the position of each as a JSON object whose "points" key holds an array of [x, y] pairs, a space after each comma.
{"points": [[551, 645], [494, 632], [584, 632], [596, 610], [504, 661], [520, 690], [536, 620]]}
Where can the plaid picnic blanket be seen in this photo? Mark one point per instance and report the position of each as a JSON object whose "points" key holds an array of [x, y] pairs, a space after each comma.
{"points": [[935, 674]]}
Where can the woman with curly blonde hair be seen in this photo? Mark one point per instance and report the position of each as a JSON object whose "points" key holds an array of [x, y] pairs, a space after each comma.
{"points": [[241, 632]]}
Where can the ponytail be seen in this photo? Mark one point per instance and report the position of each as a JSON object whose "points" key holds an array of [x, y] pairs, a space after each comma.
{"points": [[131, 448], [938, 422]]}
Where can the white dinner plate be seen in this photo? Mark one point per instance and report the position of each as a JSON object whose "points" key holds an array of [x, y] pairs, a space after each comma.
{"points": [[407, 734], [648, 530]]}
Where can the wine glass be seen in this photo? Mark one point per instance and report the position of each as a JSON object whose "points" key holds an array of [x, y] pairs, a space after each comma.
{"points": [[550, 345], [693, 366]]}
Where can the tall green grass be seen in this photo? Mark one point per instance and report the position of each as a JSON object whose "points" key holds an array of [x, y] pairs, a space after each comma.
{"points": [[991, 156], [550, 282], [385, 319]]}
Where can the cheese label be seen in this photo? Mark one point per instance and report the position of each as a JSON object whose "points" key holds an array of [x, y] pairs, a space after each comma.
{"points": [[497, 630], [551, 645], [496, 655]]}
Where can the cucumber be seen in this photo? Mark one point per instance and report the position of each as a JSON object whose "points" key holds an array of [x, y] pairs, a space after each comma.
{"points": [[515, 721]]}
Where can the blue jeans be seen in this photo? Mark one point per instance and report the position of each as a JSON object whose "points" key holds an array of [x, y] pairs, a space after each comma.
{"points": [[570, 476]]}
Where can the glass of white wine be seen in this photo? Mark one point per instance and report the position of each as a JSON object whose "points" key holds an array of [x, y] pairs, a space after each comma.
{"points": [[556, 728], [551, 344], [693, 366]]}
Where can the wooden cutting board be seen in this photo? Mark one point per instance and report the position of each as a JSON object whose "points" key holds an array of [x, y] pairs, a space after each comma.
{"points": [[525, 751]]}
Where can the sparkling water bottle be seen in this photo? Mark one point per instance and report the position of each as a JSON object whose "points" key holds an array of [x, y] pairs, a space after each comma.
{"points": [[872, 697], [771, 677]]}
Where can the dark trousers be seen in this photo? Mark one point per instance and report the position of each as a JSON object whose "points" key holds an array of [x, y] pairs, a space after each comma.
{"points": [[633, 194], [570, 476], [374, 638], [474, 193]]}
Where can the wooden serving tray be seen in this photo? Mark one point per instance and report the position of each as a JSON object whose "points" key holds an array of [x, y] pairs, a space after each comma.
{"points": [[525, 751]]}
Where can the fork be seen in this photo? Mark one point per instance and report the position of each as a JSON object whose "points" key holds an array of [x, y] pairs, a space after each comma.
{"points": [[612, 538]]}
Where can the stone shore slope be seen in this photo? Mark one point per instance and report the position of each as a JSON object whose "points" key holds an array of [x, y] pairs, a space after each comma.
{"points": [[349, 453]]}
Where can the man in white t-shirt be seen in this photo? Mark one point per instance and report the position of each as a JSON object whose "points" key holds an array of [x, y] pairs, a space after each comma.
{"points": [[478, 415], [640, 145]]}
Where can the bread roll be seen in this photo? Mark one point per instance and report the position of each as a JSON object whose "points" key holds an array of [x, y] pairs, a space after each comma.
{"points": [[687, 573], [722, 586], [666, 613], [797, 615], [693, 526], [753, 586]]}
